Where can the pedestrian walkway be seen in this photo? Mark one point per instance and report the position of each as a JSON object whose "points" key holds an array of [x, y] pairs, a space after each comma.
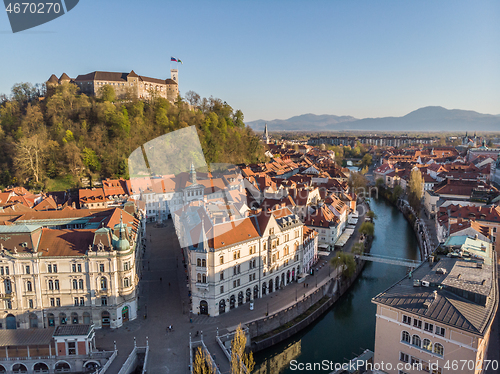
{"points": [[166, 302]]}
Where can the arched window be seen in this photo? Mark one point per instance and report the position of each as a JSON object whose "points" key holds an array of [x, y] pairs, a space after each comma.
{"points": [[29, 286], [56, 284], [198, 277], [405, 337], [204, 263], [75, 284], [427, 345], [204, 278], [198, 262], [51, 285], [415, 340], [254, 264], [438, 349], [80, 284], [62, 319], [104, 283]]}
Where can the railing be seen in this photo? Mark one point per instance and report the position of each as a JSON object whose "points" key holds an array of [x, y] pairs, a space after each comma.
{"points": [[108, 364], [129, 362]]}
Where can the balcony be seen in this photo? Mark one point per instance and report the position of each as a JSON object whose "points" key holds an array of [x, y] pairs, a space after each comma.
{"points": [[202, 286], [6, 296]]}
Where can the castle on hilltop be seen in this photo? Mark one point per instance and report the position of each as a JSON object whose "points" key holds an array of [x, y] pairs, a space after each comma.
{"points": [[123, 83]]}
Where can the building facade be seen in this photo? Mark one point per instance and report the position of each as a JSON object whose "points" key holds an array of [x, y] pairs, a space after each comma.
{"points": [[65, 276], [243, 260], [441, 315]]}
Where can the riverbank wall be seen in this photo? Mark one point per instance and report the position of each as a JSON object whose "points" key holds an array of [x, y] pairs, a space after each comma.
{"points": [[280, 326]]}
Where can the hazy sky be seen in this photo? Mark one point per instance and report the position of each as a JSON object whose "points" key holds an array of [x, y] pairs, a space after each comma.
{"points": [[277, 59]]}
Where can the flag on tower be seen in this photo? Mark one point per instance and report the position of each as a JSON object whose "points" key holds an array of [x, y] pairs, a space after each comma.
{"points": [[180, 61], [173, 59]]}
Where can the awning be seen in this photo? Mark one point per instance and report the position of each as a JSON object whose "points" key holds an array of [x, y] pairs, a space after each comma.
{"points": [[321, 253], [352, 221], [323, 246], [344, 237]]}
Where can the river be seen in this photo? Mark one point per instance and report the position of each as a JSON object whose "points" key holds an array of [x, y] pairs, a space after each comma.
{"points": [[349, 327]]}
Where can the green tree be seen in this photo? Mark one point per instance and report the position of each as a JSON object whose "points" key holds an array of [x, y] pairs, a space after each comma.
{"points": [[107, 93], [367, 228], [397, 192], [241, 362], [346, 263], [415, 190], [90, 160], [379, 182], [371, 214]]}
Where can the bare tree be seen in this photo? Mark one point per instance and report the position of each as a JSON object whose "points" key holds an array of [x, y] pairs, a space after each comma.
{"points": [[193, 98], [30, 153]]}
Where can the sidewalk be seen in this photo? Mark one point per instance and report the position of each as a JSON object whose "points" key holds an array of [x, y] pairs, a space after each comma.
{"points": [[166, 302]]}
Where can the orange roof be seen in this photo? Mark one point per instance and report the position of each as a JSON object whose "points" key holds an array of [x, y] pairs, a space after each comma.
{"points": [[65, 242]]}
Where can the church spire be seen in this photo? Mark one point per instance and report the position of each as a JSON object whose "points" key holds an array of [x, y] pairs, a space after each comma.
{"points": [[265, 136], [192, 174]]}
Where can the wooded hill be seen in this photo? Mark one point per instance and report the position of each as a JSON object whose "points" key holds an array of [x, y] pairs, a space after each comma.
{"points": [[51, 141]]}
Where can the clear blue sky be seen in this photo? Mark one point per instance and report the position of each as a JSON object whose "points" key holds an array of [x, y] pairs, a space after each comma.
{"points": [[277, 59]]}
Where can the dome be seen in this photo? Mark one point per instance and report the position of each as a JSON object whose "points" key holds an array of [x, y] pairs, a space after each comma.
{"points": [[122, 244]]}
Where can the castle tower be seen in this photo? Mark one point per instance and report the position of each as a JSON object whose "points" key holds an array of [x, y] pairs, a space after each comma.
{"points": [[174, 75]]}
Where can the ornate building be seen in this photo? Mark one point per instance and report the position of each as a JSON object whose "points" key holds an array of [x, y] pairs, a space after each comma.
{"points": [[69, 267], [123, 83]]}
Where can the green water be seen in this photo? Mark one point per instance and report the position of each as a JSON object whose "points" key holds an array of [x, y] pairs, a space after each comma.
{"points": [[349, 327]]}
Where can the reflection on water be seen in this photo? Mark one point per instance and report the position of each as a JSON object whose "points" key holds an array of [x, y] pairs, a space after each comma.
{"points": [[349, 327], [275, 364]]}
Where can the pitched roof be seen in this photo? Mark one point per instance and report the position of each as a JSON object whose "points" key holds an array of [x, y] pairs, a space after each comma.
{"points": [[26, 337], [64, 77], [66, 330], [65, 242]]}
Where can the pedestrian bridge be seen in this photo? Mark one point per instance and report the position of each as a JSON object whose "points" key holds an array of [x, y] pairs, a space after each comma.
{"points": [[389, 260]]}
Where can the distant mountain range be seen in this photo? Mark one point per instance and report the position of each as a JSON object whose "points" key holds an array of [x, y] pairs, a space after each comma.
{"points": [[431, 118]]}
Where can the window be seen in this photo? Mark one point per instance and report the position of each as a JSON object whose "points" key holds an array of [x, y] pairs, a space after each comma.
{"points": [[428, 327], [104, 283], [71, 348], [221, 275], [234, 284], [79, 268], [417, 323], [204, 278], [75, 284], [54, 267], [198, 277], [221, 260], [126, 266], [58, 301], [238, 282], [126, 282], [8, 304], [52, 302], [250, 277], [101, 268], [75, 301], [425, 366], [264, 260], [437, 371], [82, 301], [406, 320], [403, 357], [80, 284], [56, 284], [439, 331], [51, 285], [104, 300], [204, 263], [30, 303], [73, 268], [221, 289], [438, 349], [427, 345], [198, 262], [415, 340], [29, 286], [405, 337], [27, 269], [49, 269]]}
